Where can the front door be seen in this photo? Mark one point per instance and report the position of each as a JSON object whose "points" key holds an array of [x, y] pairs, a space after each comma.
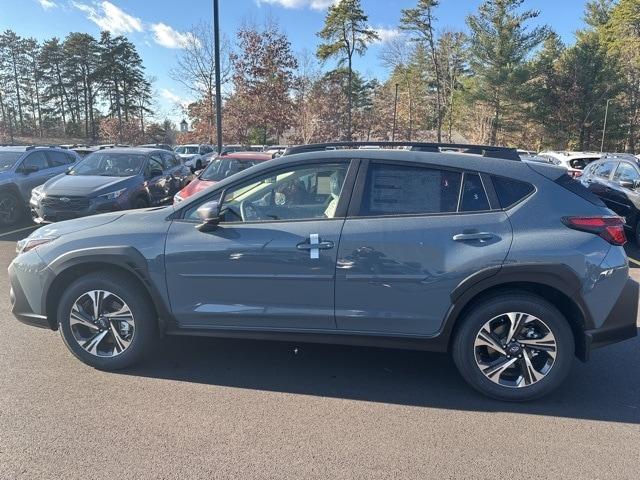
{"points": [[271, 262], [417, 233]]}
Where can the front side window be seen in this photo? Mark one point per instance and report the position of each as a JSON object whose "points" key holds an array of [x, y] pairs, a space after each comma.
{"points": [[109, 164], [626, 172], [604, 169], [36, 161], [59, 159], [306, 192], [401, 190]]}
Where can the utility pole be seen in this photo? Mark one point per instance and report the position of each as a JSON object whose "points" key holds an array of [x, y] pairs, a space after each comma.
{"points": [[216, 45], [604, 128], [395, 112]]}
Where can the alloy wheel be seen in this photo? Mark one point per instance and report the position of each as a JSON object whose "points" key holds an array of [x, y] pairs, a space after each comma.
{"points": [[102, 323], [515, 349], [8, 209]]}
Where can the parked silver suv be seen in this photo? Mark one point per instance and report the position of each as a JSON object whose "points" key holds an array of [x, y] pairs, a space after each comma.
{"points": [[22, 169], [513, 267]]}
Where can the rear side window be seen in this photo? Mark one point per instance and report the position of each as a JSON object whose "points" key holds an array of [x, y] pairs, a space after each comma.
{"points": [[626, 172], [58, 159], [399, 189], [474, 198], [510, 191]]}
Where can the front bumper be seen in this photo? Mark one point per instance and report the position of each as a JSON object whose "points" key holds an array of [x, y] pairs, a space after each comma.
{"points": [[620, 324], [42, 214], [29, 275]]}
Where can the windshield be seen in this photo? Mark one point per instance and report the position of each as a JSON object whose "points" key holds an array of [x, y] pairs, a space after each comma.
{"points": [[8, 160], [222, 168], [110, 165], [187, 150]]}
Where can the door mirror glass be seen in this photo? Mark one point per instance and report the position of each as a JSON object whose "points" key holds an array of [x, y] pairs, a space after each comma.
{"points": [[628, 184], [209, 213]]}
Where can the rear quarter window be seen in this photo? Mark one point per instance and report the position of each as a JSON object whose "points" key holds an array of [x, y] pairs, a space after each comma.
{"points": [[510, 191]]}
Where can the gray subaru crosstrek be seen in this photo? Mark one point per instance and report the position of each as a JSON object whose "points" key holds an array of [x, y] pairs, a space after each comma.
{"points": [[512, 267]]}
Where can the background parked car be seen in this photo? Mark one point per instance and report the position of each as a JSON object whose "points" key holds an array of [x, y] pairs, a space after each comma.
{"points": [[616, 180], [574, 162], [220, 168], [192, 155], [110, 180], [161, 146], [22, 169]]}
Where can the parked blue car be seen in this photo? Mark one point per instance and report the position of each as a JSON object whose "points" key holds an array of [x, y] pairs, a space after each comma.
{"points": [[22, 169], [110, 180]]}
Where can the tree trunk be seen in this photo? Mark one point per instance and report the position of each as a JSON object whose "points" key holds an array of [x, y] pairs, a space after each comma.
{"points": [[349, 99], [17, 83]]}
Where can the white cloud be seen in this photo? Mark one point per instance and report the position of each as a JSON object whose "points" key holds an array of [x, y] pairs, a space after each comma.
{"points": [[387, 34], [110, 17], [174, 99], [168, 37], [47, 4], [313, 4]]}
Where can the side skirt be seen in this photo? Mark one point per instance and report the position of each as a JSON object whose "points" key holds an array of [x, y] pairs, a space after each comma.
{"points": [[426, 343]]}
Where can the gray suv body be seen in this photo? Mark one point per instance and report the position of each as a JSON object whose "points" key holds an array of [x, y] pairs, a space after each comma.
{"points": [[512, 267], [24, 168]]}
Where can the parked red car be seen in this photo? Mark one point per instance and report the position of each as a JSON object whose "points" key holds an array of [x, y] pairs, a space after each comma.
{"points": [[219, 169]]}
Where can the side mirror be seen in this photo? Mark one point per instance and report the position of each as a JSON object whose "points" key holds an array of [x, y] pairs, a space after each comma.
{"points": [[630, 184], [209, 213]]}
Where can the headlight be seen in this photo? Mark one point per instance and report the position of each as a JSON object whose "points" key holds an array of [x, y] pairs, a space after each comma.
{"points": [[113, 195], [27, 244], [37, 193], [177, 198]]}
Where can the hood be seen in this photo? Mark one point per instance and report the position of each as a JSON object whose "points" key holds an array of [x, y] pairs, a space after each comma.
{"points": [[84, 185], [194, 187], [70, 226]]}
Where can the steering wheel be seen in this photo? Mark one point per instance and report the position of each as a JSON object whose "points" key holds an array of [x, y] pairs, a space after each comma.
{"points": [[249, 212]]}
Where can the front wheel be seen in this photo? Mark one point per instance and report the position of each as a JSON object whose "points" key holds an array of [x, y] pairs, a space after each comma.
{"points": [[11, 209], [106, 320], [514, 347]]}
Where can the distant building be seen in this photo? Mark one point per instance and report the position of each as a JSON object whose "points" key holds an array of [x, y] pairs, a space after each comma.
{"points": [[184, 126]]}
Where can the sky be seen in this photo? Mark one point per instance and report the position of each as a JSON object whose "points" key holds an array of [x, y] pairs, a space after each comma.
{"points": [[157, 27]]}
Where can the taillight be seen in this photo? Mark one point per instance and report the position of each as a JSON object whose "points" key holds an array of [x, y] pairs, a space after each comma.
{"points": [[609, 228]]}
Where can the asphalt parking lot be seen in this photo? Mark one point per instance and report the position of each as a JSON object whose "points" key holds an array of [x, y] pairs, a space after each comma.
{"points": [[208, 408]]}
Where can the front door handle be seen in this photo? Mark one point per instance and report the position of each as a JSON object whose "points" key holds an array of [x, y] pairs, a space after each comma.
{"points": [[314, 245], [464, 237]]}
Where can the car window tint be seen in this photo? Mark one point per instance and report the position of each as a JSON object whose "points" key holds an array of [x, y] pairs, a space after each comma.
{"points": [[604, 169], [154, 164], [59, 159], [399, 189], [170, 160], [510, 191], [626, 172], [306, 192], [474, 198], [36, 160]]}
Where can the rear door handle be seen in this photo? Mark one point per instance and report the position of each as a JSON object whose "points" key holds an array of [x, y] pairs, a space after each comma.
{"points": [[319, 246], [463, 237]]}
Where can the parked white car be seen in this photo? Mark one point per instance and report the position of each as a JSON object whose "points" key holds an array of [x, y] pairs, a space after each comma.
{"points": [[192, 155], [574, 162]]}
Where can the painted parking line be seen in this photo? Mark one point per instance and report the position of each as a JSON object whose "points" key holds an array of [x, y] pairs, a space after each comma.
{"points": [[634, 261], [18, 230]]}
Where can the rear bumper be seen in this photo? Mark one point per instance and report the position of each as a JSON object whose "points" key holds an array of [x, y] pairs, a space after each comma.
{"points": [[620, 324]]}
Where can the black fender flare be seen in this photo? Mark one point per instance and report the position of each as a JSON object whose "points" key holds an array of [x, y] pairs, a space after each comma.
{"points": [[124, 257], [557, 276]]}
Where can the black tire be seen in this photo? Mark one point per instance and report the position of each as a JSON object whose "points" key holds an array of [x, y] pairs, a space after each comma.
{"points": [[140, 202], [12, 208], [145, 330], [463, 350]]}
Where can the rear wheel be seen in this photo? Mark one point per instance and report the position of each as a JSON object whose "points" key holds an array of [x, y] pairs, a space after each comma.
{"points": [[106, 320], [11, 209], [514, 347]]}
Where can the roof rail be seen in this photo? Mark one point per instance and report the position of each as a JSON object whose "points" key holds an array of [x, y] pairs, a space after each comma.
{"points": [[506, 153]]}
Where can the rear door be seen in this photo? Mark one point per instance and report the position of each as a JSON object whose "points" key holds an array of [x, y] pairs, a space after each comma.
{"points": [[623, 199], [413, 233], [34, 170]]}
